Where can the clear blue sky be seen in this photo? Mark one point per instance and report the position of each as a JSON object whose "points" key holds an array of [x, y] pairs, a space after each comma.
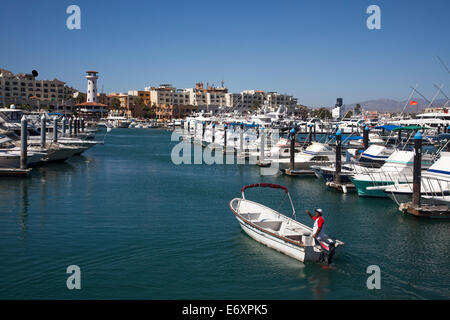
{"points": [[315, 50]]}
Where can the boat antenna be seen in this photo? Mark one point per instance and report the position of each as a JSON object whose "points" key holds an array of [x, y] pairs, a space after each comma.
{"points": [[443, 64], [442, 92]]}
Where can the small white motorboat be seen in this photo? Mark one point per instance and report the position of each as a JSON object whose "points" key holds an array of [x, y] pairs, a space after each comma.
{"points": [[280, 232]]}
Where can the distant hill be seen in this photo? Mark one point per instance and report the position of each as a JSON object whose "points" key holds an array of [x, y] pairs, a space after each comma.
{"points": [[389, 105]]}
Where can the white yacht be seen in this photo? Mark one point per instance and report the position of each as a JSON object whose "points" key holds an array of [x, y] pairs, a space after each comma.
{"points": [[317, 154], [435, 184]]}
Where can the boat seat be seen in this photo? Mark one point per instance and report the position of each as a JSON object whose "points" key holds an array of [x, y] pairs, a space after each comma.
{"points": [[251, 215], [294, 237], [299, 231], [274, 225]]}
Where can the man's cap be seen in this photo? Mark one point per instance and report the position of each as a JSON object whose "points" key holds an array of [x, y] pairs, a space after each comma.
{"points": [[319, 210]]}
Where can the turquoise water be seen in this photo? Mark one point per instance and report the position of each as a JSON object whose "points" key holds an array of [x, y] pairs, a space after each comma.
{"points": [[141, 227]]}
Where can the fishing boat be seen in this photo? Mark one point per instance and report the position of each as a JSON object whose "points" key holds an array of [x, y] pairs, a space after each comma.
{"points": [[328, 173], [280, 232], [374, 156], [435, 184], [397, 169]]}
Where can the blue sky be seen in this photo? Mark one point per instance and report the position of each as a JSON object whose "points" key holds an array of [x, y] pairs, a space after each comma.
{"points": [[315, 50]]}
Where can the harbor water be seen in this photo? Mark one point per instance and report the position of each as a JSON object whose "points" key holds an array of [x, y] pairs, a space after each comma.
{"points": [[141, 227]]}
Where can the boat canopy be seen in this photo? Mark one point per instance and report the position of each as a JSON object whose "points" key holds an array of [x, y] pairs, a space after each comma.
{"points": [[344, 138], [444, 136], [264, 185], [270, 185], [248, 125], [388, 127], [410, 128]]}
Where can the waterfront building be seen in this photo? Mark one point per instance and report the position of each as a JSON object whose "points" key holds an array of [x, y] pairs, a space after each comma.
{"points": [[167, 94], [144, 95], [25, 89], [166, 112], [212, 98], [253, 99], [209, 98]]}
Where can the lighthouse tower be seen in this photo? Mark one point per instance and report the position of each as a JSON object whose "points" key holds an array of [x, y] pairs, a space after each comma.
{"points": [[92, 86]]}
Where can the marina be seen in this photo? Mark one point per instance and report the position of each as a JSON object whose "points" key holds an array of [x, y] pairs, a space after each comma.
{"points": [[217, 159], [177, 249]]}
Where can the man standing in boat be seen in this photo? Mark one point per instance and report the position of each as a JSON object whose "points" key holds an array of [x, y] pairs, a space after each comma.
{"points": [[318, 223]]}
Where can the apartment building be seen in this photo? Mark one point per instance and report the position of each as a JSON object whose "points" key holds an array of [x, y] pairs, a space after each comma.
{"points": [[144, 95], [167, 94], [26, 89], [209, 96], [252, 99]]}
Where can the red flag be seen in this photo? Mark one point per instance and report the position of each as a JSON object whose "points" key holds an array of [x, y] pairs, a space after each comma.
{"points": [[413, 103]]}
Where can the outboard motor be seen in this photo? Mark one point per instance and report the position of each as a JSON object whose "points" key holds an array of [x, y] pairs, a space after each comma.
{"points": [[328, 248]]}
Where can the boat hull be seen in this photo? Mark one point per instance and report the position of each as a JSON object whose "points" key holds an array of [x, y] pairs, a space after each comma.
{"points": [[272, 242], [361, 188]]}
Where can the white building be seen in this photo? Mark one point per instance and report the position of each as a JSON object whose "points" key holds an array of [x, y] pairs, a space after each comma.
{"points": [[167, 94], [212, 98], [251, 99]]}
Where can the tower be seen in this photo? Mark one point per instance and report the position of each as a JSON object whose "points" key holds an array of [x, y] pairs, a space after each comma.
{"points": [[92, 86]]}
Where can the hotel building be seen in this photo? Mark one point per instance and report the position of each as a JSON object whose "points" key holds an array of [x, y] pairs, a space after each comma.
{"points": [[26, 89]]}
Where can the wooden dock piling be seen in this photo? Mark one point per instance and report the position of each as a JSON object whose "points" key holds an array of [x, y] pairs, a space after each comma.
{"points": [[55, 129], [417, 169], [366, 137], [23, 142], [64, 124], [70, 127]]}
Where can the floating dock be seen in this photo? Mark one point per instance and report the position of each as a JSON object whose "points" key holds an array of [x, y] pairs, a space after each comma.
{"points": [[342, 187], [14, 172], [430, 211], [290, 172]]}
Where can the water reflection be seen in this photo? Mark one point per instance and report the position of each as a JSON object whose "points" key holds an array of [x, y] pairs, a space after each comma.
{"points": [[24, 203]]}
